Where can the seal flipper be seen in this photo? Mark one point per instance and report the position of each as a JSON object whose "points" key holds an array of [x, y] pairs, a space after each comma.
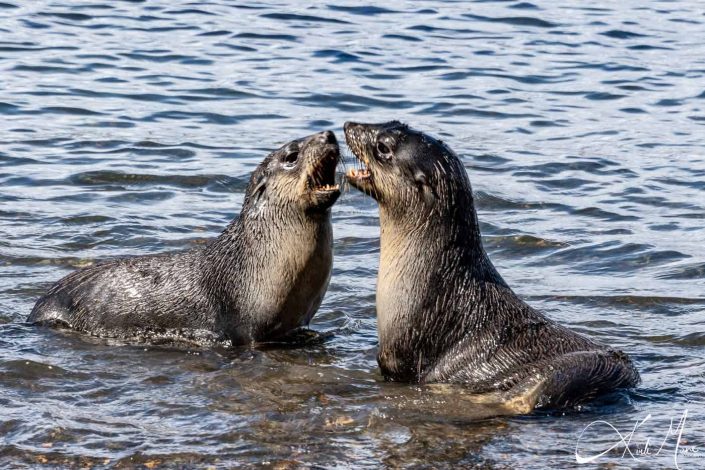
{"points": [[49, 311], [519, 400], [54, 308], [52, 322], [571, 379], [563, 381]]}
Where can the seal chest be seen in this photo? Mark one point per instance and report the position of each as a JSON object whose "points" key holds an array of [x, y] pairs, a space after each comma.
{"points": [[292, 288], [444, 313], [265, 274]]}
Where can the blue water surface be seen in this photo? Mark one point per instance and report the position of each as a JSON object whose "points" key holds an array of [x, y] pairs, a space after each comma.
{"points": [[129, 128]]}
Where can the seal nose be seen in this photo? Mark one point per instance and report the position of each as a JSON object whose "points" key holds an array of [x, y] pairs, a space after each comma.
{"points": [[349, 125], [326, 137]]}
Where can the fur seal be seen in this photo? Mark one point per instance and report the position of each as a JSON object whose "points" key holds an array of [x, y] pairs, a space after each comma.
{"points": [[444, 313], [264, 276]]}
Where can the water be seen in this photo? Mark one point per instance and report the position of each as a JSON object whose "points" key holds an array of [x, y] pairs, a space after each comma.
{"points": [[130, 128]]}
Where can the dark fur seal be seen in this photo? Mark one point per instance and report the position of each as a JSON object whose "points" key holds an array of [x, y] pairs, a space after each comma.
{"points": [[264, 276], [444, 313]]}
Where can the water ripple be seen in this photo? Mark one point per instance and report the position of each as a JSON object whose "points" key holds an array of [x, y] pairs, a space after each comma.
{"points": [[132, 127]]}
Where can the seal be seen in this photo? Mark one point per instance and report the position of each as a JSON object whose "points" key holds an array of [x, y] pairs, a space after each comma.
{"points": [[264, 276], [444, 313]]}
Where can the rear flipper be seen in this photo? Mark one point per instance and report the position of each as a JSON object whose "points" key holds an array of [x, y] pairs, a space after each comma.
{"points": [[49, 311], [572, 379], [57, 307], [559, 382], [577, 377]]}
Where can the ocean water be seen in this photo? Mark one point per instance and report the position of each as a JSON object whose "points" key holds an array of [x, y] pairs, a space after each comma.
{"points": [[131, 127]]}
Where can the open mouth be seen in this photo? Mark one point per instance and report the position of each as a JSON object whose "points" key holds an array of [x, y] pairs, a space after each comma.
{"points": [[362, 174], [322, 177]]}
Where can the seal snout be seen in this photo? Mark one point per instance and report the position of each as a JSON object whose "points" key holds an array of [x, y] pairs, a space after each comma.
{"points": [[356, 137], [325, 154], [326, 137], [348, 126]]}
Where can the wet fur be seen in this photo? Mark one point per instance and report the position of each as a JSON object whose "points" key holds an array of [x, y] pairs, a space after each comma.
{"points": [[444, 312], [265, 275]]}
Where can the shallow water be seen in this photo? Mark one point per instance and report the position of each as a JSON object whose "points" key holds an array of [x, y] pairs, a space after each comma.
{"points": [[131, 127]]}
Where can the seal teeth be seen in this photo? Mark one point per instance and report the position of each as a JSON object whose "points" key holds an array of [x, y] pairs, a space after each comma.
{"points": [[327, 187], [359, 173]]}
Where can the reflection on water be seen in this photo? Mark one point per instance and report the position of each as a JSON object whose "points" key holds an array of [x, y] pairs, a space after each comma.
{"points": [[131, 127]]}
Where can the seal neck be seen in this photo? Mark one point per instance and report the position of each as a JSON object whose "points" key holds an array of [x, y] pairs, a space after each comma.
{"points": [[262, 230], [266, 271], [433, 275], [422, 234]]}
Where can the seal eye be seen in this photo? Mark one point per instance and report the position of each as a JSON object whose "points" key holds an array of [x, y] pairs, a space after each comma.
{"points": [[383, 150], [290, 158]]}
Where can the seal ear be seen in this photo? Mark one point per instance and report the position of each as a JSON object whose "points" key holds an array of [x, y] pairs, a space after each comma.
{"points": [[429, 192], [259, 188]]}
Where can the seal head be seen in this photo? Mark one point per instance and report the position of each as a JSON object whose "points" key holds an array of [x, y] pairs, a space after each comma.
{"points": [[401, 166], [300, 174]]}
